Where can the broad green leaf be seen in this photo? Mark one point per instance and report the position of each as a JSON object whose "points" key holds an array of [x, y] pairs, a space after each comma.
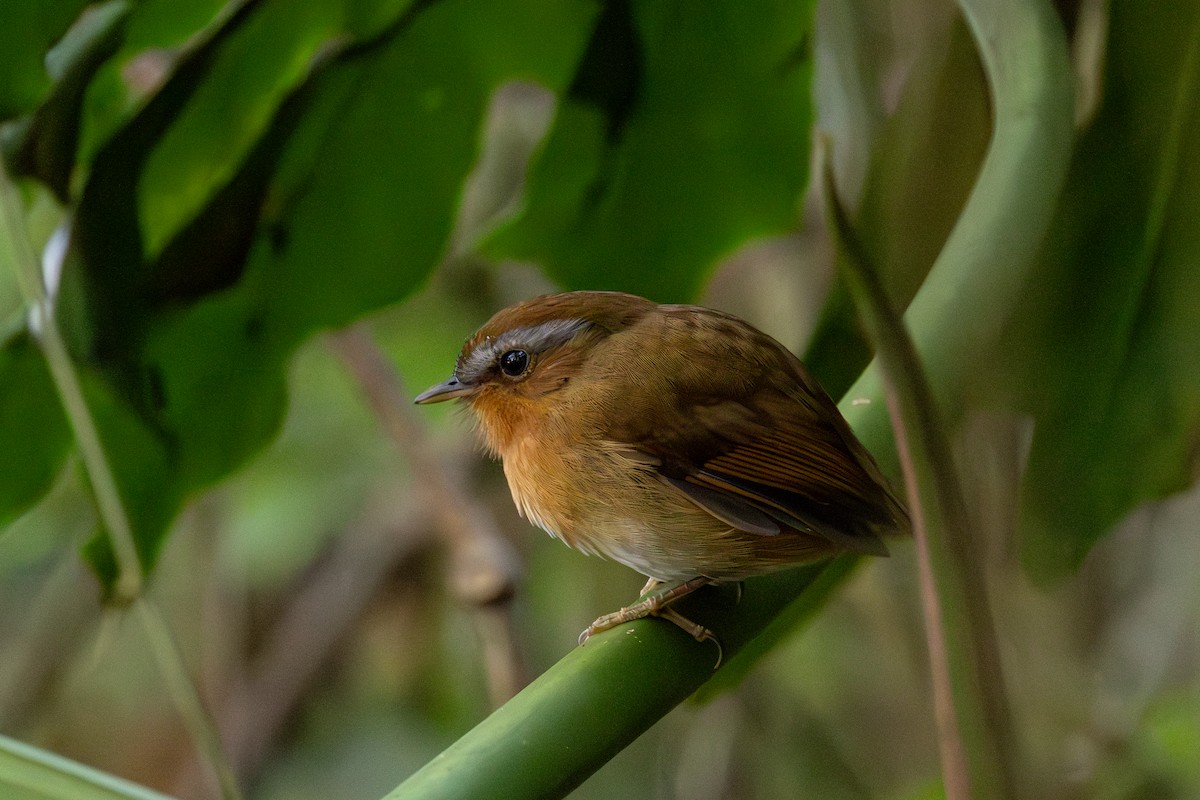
{"points": [[33, 431], [27, 30], [924, 163], [363, 204], [228, 108], [43, 144], [96, 76], [156, 34], [684, 134], [199, 268], [1107, 352]]}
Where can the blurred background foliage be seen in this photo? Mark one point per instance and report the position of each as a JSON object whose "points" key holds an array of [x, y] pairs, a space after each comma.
{"points": [[240, 179]]}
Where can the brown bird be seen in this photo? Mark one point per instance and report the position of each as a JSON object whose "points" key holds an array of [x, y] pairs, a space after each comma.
{"points": [[677, 440]]}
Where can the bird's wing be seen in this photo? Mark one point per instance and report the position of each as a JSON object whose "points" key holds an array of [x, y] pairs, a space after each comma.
{"points": [[766, 451]]}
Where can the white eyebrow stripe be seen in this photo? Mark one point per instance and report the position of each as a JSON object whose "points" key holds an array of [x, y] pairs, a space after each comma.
{"points": [[534, 339]]}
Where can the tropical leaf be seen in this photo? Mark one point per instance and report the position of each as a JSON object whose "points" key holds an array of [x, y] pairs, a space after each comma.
{"points": [[302, 165], [683, 135], [1106, 351]]}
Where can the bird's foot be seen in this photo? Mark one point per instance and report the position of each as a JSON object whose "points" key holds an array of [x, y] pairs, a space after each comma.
{"points": [[657, 605]]}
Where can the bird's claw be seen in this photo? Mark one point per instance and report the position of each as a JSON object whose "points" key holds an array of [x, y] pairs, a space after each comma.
{"points": [[656, 605]]}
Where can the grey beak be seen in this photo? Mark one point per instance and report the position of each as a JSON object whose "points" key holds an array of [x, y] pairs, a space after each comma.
{"points": [[448, 390]]}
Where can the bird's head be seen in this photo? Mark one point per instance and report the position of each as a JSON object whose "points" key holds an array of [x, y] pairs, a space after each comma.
{"points": [[511, 370]]}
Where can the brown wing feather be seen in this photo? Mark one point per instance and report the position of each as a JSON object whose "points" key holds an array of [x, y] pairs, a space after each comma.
{"points": [[767, 440]]}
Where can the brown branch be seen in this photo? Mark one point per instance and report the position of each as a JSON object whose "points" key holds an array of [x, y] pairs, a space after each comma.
{"points": [[485, 566], [305, 637]]}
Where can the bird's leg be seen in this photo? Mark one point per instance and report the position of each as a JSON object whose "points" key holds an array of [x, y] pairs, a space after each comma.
{"points": [[697, 631], [656, 605]]}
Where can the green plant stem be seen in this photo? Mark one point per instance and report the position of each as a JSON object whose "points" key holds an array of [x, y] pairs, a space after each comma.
{"points": [[974, 725], [128, 588], [601, 696], [980, 270], [195, 716], [128, 585]]}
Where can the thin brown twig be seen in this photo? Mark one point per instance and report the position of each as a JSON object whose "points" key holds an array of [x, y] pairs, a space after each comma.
{"points": [[485, 566], [955, 775], [305, 636]]}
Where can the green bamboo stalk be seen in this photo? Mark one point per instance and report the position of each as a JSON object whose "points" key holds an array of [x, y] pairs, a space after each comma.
{"points": [[128, 588], [603, 695], [28, 773]]}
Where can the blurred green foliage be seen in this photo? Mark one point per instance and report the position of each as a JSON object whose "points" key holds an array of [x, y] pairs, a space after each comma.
{"points": [[1106, 349], [238, 178], [663, 158]]}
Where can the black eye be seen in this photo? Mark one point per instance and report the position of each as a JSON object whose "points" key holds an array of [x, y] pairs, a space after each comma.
{"points": [[514, 363]]}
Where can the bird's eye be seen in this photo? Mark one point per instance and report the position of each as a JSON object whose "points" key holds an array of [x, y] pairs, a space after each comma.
{"points": [[514, 363]]}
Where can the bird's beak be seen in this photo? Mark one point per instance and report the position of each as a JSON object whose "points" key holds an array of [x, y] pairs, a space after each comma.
{"points": [[447, 390]]}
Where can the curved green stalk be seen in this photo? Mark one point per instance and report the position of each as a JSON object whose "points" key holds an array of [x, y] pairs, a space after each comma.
{"points": [[988, 256], [603, 695]]}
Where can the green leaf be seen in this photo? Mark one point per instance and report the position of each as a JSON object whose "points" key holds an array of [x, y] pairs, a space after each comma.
{"points": [[332, 195], [44, 144], [922, 167], [33, 432], [685, 133], [228, 107], [155, 35], [27, 773], [26, 32], [1107, 354]]}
